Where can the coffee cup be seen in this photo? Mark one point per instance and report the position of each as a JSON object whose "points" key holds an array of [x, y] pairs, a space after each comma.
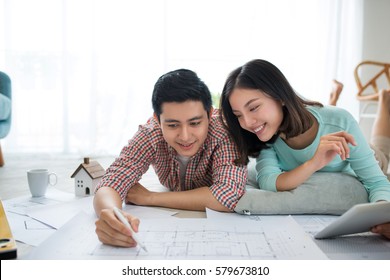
{"points": [[39, 180]]}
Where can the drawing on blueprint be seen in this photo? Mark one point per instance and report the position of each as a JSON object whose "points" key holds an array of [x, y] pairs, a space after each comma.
{"points": [[177, 238], [208, 241]]}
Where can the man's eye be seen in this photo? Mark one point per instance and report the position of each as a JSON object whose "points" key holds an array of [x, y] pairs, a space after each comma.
{"points": [[172, 125], [195, 123]]}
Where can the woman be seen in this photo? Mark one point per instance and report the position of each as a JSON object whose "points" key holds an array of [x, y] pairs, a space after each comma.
{"points": [[292, 137]]}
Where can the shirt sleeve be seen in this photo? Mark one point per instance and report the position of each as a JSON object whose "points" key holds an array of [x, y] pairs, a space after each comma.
{"points": [[229, 179], [267, 169], [133, 161]]}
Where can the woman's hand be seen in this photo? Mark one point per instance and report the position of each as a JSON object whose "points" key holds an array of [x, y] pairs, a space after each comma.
{"points": [[330, 146]]}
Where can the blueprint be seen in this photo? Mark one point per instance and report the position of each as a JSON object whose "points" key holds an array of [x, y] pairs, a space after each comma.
{"points": [[177, 238]]}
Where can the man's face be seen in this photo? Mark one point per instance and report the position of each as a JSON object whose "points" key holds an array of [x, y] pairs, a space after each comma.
{"points": [[184, 126]]}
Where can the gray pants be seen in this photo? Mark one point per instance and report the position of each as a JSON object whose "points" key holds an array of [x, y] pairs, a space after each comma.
{"points": [[381, 147]]}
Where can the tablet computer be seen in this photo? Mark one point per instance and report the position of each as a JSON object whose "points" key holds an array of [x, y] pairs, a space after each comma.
{"points": [[359, 218]]}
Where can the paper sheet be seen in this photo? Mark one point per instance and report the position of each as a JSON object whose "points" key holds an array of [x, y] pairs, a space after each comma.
{"points": [[142, 212], [43, 219], [28, 230], [176, 238], [22, 205], [59, 214]]}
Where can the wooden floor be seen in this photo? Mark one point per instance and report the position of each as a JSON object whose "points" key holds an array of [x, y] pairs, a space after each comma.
{"points": [[13, 175]]}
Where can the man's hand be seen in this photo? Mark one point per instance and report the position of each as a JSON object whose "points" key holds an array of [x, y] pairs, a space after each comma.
{"points": [[112, 231], [383, 229]]}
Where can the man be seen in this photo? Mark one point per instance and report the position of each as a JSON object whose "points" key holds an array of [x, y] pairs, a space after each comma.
{"points": [[190, 150]]}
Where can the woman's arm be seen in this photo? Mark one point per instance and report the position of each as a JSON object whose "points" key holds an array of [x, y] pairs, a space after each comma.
{"points": [[366, 167], [330, 146], [271, 177]]}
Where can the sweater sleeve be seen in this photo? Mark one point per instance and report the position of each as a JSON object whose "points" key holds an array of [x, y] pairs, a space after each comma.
{"points": [[362, 162], [365, 166], [268, 169]]}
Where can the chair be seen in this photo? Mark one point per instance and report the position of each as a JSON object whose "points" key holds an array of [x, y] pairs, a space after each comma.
{"points": [[370, 77], [5, 109], [380, 76]]}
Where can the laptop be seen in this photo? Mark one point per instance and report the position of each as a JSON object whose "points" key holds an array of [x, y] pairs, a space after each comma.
{"points": [[359, 218]]}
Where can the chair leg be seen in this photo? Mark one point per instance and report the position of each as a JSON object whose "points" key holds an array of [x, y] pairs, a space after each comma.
{"points": [[1, 157]]}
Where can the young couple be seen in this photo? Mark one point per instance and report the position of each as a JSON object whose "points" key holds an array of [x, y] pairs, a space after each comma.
{"points": [[205, 165]]}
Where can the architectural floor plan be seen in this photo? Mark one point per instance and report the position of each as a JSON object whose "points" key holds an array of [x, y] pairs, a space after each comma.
{"points": [[176, 238]]}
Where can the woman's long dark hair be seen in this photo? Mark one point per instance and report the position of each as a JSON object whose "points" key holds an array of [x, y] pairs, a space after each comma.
{"points": [[264, 76]]}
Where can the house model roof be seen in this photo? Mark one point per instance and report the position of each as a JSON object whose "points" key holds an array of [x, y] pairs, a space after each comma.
{"points": [[93, 169]]}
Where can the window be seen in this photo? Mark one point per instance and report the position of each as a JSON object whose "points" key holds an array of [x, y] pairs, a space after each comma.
{"points": [[83, 71]]}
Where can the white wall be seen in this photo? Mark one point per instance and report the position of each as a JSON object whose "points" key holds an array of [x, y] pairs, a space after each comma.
{"points": [[376, 30]]}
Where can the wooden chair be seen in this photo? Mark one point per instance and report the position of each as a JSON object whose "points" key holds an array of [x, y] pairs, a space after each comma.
{"points": [[370, 76], [383, 73]]}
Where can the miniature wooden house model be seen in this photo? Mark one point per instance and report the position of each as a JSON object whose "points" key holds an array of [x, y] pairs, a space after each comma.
{"points": [[86, 177]]}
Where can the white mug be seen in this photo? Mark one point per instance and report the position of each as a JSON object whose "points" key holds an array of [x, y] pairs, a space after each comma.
{"points": [[38, 180]]}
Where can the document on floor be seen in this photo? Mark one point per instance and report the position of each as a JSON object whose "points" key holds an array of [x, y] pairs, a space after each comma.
{"points": [[27, 230], [23, 205], [177, 238]]}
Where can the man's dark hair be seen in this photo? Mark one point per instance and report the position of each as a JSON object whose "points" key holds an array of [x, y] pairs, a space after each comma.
{"points": [[179, 86]]}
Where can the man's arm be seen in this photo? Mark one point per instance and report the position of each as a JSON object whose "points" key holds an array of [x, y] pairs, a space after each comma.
{"points": [[196, 199], [106, 198]]}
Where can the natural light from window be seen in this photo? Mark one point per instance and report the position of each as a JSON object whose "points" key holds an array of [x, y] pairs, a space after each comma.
{"points": [[83, 71]]}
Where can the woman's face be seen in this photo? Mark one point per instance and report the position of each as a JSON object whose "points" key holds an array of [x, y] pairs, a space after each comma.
{"points": [[257, 112]]}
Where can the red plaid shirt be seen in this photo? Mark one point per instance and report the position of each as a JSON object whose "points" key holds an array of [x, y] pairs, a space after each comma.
{"points": [[212, 166]]}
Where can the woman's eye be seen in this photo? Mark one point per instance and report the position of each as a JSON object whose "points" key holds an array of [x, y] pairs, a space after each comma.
{"points": [[254, 108]]}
